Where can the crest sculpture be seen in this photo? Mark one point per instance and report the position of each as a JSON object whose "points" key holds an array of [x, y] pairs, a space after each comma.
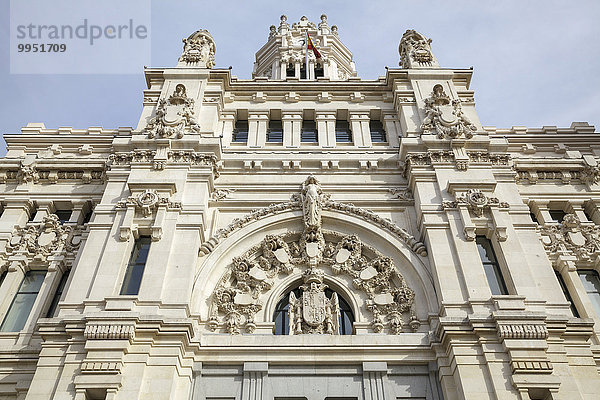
{"points": [[415, 51], [173, 116], [198, 50], [312, 254], [445, 117]]}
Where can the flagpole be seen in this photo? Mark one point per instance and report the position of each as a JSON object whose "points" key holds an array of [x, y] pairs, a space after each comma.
{"points": [[306, 65]]}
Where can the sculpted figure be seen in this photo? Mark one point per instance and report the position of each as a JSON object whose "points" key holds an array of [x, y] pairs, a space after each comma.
{"points": [[312, 202]]}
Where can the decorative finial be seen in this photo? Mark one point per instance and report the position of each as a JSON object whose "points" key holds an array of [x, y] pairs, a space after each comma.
{"points": [[334, 30], [272, 31], [415, 51], [198, 50]]}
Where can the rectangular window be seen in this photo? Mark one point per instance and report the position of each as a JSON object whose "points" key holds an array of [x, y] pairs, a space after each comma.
{"points": [[303, 71], [343, 134], [22, 304], [557, 215], [290, 70], [491, 266], [319, 71], [309, 132], [240, 133], [135, 268], [591, 283], [63, 215], [377, 132], [275, 132], [563, 286], [57, 295]]}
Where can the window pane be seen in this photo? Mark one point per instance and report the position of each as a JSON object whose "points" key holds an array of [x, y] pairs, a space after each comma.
{"points": [[63, 215], [491, 266], [563, 286], [591, 283], [309, 132], [377, 132], [240, 133], [557, 215], [57, 295], [135, 268], [19, 310]]}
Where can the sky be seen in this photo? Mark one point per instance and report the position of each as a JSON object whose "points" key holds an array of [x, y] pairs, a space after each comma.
{"points": [[535, 62]]}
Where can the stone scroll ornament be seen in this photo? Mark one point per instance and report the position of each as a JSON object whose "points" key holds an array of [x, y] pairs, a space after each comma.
{"points": [[313, 253], [445, 117], [173, 116], [199, 50]]}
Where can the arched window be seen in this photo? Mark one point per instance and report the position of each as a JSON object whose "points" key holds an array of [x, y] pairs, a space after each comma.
{"points": [[282, 320]]}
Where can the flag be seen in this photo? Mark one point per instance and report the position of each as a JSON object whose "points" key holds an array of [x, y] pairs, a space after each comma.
{"points": [[312, 47]]}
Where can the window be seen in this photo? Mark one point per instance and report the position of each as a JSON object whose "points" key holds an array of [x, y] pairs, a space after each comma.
{"points": [[135, 269], [282, 319], [303, 71], [63, 215], [57, 295], [275, 132], [491, 266], [23, 301], [240, 133], [342, 132], [557, 215], [290, 70], [319, 71], [591, 283], [377, 132], [563, 286], [87, 216], [3, 277], [309, 132]]}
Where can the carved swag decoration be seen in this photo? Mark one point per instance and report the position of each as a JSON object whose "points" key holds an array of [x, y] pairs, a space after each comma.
{"points": [[476, 201], [173, 116], [571, 238], [445, 117], [314, 251]]}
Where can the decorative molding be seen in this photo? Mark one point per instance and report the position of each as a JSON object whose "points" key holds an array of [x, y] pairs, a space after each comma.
{"points": [[147, 202], [531, 366], [445, 117], [101, 366], [476, 202], [237, 297], [571, 238], [173, 116], [452, 157], [522, 331], [402, 194], [39, 241], [327, 204], [109, 332], [221, 194]]}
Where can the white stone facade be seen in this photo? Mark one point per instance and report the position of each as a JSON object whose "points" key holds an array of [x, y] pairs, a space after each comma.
{"points": [[368, 204]]}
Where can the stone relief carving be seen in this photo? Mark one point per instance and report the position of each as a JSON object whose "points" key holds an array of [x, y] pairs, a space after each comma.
{"points": [[221, 194], [402, 194], [27, 173], [572, 238], [445, 117], [173, 116], [147, 202], [39, 241], [199, 50], [450, 157], [414, 50], [476, 201], [237, 297]]}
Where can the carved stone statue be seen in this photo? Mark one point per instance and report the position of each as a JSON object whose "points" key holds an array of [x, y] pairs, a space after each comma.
{"points": [[415, 51], [173, 116], [445, 117], [311, 201], [198, 50]]}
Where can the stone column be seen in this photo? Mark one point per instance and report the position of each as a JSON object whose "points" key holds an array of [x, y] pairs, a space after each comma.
{"points": [[325, 128], [375, 380], [257, 128], [227, 125], [361, 134], [392, 129], [292, 121], [253, 387]]}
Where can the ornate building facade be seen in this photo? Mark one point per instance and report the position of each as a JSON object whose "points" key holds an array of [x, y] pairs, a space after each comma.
{"points": [[304, 234]]}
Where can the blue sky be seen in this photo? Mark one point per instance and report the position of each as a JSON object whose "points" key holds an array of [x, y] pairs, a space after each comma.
{"points": [[535, 62]]}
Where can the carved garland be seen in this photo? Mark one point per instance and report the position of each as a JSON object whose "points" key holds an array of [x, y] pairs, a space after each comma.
{"points": [[236, 299], [573, 238]]}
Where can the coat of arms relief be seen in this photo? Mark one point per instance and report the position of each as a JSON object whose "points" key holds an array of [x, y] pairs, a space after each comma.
{"points": [[174, 116], [314, 255]]}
